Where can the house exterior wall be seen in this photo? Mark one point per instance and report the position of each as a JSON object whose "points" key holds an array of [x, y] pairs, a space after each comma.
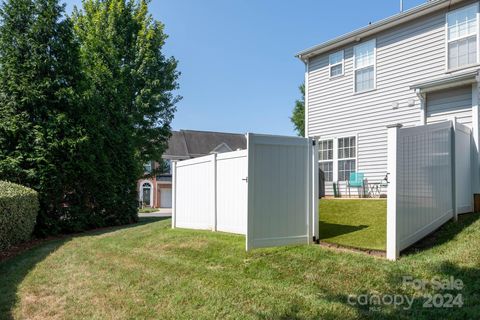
{"points": [[445, 104], [407, 54]]}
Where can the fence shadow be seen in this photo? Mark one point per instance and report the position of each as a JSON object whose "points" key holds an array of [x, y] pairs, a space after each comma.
{"points": [[420, 307], [14, 269], [330, 230], [444, 234]]}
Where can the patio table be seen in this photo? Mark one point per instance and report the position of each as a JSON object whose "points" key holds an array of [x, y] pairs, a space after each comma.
{"points": [[374, 189]]}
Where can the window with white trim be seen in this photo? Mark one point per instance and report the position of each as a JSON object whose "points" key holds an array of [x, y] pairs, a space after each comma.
{"points": [[325, 158], [462, 34], [146, 193], [347, 157], [335, 61], [364, 66]]}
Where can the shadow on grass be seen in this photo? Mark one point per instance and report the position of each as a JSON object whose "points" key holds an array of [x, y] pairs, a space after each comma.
{"points": [[373, 305], [330, 230], [15, 269], [444, 234], [443, 271]]}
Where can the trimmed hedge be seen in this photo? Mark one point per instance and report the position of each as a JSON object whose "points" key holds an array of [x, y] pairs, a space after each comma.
{"points": [[18, 212]]}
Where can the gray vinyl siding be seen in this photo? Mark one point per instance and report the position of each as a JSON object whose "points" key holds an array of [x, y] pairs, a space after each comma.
{"points": [[405, 55], [445, 104]]}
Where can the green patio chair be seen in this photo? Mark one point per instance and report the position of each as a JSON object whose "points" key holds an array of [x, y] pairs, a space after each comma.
{"points": [[356, 180]]}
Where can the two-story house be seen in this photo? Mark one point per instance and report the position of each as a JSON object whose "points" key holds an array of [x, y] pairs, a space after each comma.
{"points": [[415, 68]]}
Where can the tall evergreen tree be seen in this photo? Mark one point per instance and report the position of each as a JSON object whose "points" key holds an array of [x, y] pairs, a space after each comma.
{"points": [[39, 74], [129, 96]]}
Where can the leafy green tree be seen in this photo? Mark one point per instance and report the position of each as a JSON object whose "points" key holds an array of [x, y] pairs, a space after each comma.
{"points": [[84, 102], [39, 79], [129, 85], [121, 50], [298, 114]]}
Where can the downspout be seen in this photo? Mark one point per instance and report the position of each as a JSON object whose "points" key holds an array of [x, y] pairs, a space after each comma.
{"points": [[306, 62], [423, 99]]}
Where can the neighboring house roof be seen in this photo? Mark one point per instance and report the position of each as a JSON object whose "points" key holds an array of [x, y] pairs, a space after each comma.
{"points": [[371, 29], [186, 144], [177, 147]]}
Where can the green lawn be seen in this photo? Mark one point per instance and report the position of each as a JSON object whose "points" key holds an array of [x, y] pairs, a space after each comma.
{"points": [[359, 223], [149, 271]]}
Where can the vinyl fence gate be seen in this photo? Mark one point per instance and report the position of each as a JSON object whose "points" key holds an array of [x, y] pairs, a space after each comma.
{"points": [[265, 192]]}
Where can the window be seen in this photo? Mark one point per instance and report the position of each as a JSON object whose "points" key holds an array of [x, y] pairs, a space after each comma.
{"points": [[327, 168], [462, 31], [325, 149], [325, 157], [336, 64], [345, 167], [147, 167], [364, 66], [146, 193], [346, 148], [346, 157], [167, 167]]}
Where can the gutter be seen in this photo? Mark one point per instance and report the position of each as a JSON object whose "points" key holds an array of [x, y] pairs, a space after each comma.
{"points": [[359, 34], [446, 82]]}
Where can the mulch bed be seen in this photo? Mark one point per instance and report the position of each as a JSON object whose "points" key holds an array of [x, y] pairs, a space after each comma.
{"points": [[18, 249], [25, 246]]}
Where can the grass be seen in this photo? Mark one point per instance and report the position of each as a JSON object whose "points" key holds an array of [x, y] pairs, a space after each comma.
{"points": [[147, 210], [149, 271], [358, 223]]}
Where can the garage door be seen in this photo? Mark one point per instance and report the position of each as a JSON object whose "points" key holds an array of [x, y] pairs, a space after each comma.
{"points": [[446, 104], [165, 198]]}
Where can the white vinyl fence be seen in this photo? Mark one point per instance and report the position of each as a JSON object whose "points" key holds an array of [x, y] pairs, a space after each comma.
{"points": [[195, 180], [279, 190], [463, 165], [264, 192], [210, 192], [231, 196], [429, 184]]}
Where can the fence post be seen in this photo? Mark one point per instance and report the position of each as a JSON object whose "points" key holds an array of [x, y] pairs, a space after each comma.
{"points": [[453, 168], [214, 207], [174, 193], [309, 192], [393, 250], [250, 191], [315, 218]]}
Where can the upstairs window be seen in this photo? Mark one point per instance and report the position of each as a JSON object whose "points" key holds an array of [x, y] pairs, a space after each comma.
{"points": [[166, 166], [147, 167], [462, 31], [336, 64], [364, 66]]}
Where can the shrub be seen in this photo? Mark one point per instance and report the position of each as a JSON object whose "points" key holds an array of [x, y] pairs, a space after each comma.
{"points": [[18, 212]]}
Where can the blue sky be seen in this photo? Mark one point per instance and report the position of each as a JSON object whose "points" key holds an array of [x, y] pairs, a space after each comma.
{"points": [[237, 60]]}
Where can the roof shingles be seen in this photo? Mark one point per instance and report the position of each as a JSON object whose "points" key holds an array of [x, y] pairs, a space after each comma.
{"points": [[186, 144]]}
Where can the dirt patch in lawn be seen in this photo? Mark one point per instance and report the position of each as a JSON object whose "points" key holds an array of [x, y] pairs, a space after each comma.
{"points": [[342, 248]]}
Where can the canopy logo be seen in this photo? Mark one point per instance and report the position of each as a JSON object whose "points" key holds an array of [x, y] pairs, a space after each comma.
{"points": [[423, 289]]}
